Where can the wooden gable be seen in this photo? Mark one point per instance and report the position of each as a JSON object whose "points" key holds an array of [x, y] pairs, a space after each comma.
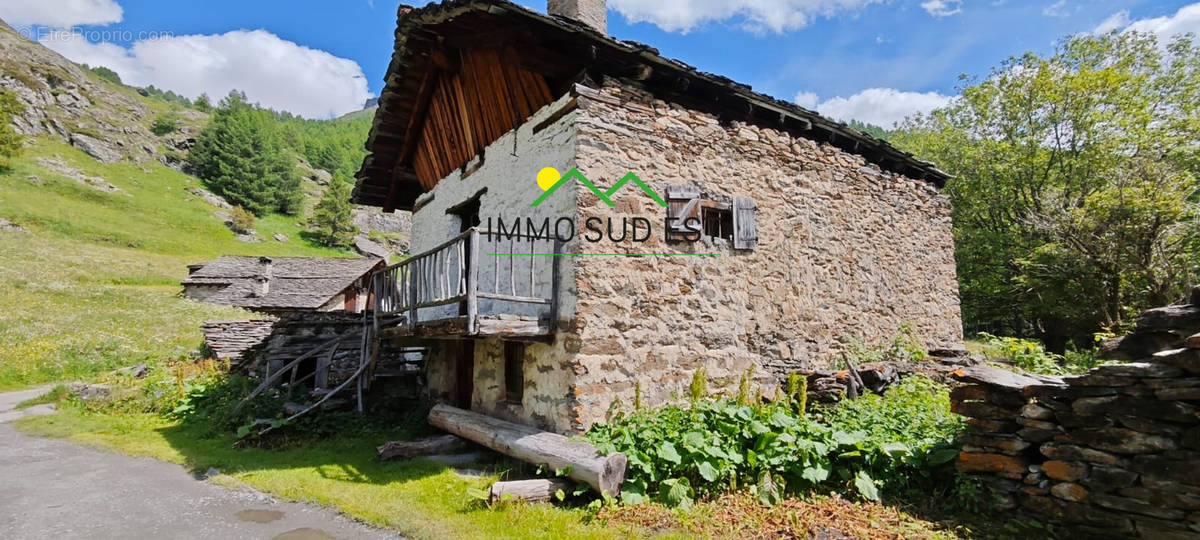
{"points": [[470, 100]]}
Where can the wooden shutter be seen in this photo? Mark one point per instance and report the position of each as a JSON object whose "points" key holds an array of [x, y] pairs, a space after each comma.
{"points": [[683, 202], [745, 230]]}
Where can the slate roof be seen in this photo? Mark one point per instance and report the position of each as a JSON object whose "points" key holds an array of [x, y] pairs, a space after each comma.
{"points": [[294, 282], [560, 48]]}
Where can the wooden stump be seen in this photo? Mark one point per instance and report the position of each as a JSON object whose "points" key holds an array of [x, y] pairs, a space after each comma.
{"points": [[580, 459], [537, 490]]}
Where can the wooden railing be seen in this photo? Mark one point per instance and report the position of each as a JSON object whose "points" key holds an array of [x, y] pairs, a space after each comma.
{"points": [[470, 267]]}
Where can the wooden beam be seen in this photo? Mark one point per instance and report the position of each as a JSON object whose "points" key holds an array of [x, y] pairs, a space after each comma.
{"points": [[581, 460], [423, 447]]}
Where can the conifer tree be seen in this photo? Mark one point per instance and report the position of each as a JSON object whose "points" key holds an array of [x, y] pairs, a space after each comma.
{"points": [[332, 219], [241, 156]]}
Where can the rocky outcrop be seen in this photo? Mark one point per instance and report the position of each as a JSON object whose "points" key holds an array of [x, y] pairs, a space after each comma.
{"points": [[1111, 453], [56, 164]]}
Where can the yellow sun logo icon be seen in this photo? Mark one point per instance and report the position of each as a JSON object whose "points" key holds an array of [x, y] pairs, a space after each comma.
{"points": [[546, 178]]}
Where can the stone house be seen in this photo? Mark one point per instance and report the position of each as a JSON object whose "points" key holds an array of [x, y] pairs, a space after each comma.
{"points": [[282, 285], [593, 223]]}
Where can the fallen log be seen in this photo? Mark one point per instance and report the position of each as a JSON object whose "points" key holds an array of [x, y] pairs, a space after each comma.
{"points": [[580, 459], [537, 490], [424, 447]]}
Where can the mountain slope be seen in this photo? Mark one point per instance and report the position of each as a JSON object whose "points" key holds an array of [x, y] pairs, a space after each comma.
{"points": [[96, 232]]}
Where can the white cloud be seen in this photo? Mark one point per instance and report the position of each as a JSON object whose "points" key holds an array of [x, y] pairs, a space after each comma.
{"points": [[808, 100], [1187, 19], [756, 15], [884, 107], [942, 8], [272, 71], [1115, 21], [60, 13], [1057, 9]]}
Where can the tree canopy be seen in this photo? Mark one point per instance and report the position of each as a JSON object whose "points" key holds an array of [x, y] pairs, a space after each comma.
{"points": [[240, 155], [1075, 197]]}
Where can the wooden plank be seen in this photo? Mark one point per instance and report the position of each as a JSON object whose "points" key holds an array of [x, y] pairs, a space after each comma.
{"points": [[580, 459], [745, 228]]}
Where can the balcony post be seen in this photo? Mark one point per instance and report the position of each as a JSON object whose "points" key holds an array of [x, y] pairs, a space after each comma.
{"points": [[472, 280]]}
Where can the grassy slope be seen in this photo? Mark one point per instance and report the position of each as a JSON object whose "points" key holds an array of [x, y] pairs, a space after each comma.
{"points": [[93, 283]]}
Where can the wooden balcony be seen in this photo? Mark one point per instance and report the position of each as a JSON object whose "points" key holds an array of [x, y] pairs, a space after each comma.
{"points": [[474, 285]]}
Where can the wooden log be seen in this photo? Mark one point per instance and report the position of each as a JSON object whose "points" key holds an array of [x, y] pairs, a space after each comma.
{"points": [[580, 459], [424, 447], [537, 490]]}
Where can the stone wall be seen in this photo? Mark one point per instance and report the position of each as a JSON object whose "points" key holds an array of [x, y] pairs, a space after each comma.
{"points": [[844, 249], [1112, 453]]}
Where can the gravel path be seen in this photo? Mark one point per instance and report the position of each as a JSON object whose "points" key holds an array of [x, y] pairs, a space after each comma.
{"points": [[56, 489]]}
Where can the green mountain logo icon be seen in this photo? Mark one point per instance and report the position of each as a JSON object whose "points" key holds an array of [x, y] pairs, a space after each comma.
{"points": [[606, 196]]}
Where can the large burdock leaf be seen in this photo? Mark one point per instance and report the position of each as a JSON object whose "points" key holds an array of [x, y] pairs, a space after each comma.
{"points": [[866, 486]]}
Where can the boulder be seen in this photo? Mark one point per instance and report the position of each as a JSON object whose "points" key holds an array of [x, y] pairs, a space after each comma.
{"points": [[8, 226], [102, 151], [280, 237], [369, 248]]}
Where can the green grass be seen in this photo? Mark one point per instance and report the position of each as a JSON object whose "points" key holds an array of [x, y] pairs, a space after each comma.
{"points": [[419, 498], [93, 285]]}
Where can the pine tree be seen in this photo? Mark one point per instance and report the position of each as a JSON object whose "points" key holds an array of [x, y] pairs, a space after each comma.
{"points": [[332, 219], [241, 156], [10, 140]]}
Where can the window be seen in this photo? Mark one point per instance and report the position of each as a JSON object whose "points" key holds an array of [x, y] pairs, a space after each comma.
{"points": [[690, 218], [514, 371], [717, 220]]}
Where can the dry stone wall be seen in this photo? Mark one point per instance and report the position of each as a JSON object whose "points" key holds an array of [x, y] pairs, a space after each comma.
{"points": [[1114, 453], [844, 249]]}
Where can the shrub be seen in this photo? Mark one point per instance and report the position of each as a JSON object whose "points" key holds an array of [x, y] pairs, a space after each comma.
{"points": [[10, 140], [904, 439], [106, 74], [242, 220], [1032, 357], [165, 123]]}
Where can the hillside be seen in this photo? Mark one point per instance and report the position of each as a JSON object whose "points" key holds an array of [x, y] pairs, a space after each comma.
{"points": [[97, 230]]}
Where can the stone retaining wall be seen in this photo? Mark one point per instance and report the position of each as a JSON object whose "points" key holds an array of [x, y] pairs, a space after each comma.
{"points": [[1114, 453]]}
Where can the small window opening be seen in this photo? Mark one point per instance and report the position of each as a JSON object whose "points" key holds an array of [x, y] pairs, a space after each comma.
{"points": [[514, 371], [717, 221]]}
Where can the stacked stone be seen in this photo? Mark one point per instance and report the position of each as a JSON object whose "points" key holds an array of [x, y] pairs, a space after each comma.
{"points": [[1112, 453], [230, 340]]}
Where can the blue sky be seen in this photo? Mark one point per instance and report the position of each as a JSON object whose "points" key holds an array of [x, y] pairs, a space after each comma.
{"points": [[875, 60]]}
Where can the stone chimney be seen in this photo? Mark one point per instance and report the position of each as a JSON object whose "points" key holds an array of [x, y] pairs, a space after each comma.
{"points": [[264, 275], [593, 13]]}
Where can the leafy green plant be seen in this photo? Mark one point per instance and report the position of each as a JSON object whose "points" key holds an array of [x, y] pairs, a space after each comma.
{"points": [[905, 346], [901, 441], [699, 386], [1032, 357]]}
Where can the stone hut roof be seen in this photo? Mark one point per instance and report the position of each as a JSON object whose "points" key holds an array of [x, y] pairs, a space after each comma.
{"points": [[291, 282], [566, 52]]}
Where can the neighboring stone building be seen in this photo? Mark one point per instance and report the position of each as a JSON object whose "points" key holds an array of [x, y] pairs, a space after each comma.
{"points": [[281, 285], [752, 236]]}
